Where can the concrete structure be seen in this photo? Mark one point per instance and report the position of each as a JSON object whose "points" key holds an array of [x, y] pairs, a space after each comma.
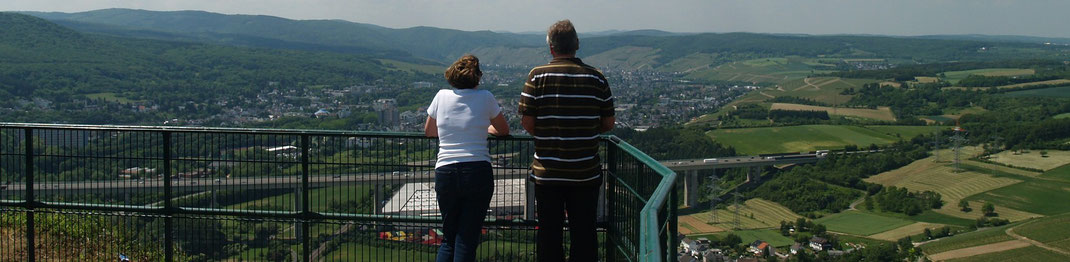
{"points": [[419, 199], [688, 169]]}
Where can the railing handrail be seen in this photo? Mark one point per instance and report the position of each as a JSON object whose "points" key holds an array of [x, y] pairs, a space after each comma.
{"points": [[650, 247]]}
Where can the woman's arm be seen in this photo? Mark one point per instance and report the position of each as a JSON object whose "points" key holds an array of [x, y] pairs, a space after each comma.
{"points": [[431, 127], [498, 126]]}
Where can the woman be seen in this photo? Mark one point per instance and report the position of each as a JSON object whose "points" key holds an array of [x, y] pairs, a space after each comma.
{"points": [[461, 118]]}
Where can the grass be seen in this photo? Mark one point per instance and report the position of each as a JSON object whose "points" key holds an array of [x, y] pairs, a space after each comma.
{"points": [[417, 68], [1047, 230], [822, 89], [1030, 253], [930, 216], [1033, 159], [812, 137], [772, 70], [905, 231], [626, 57], [772, 236], [882, 113], [112, 97], [1046, 82], [955, 76], [765, 213], [320, 199], [925, 174], [1062, 116], [1063, 91], [970, 239], [863, 240], [1062, 173], [1035, 195], [861, 223], [362, 252]]}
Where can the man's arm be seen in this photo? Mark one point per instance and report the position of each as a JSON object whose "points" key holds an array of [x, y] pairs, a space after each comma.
{"points": [[529, 124], [607, 124]]}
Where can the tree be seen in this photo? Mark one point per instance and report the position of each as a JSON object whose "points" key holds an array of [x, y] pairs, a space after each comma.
{"points": [[731, 240], [989, 209], [928, 233], [964, 205]]}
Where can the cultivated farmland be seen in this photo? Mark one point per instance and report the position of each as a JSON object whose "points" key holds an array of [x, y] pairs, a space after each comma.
{"points": [[1030, 253], [1047, 230], [881, 113], [955, 76], [861, 223], [925, 174], [812, 137], [822, 89], [754, 213], [983, 236], [905, 231], [1063, 91], [1033, 159]]}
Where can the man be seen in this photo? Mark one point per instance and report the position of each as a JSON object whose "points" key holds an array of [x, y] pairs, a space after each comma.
{"points": [[565, 105]]}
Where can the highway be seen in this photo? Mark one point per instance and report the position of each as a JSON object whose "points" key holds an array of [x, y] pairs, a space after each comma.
{"points": [[736, 162], [205, 184]]}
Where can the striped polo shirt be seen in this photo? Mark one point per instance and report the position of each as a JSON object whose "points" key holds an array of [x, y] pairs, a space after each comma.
{"points": [[568, 100]]}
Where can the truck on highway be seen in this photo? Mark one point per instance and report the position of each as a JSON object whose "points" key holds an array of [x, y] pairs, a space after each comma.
{"points": [[709, 160]]}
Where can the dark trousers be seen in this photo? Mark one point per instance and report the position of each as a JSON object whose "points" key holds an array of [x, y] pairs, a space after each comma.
{"points": [[580, 204], [464, 191]]}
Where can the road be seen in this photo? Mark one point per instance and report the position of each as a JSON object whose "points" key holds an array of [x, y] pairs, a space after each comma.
{"points": [[268, 182], [742, 161]]}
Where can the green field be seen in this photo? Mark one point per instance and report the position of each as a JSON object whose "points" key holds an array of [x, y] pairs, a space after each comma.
{"points": [[770, 70], [861, 223], [955, 76], [1062, 91], [754, 213], [970, 239], [813, 137], [1062, 173], [930, 216], [863, 240], [1047, 230], [363, 252], [1062, 116], [1038, 196], [822, 89], [768, 235], [416, 68], [320, 199], [111, 97], [1024, 254]]}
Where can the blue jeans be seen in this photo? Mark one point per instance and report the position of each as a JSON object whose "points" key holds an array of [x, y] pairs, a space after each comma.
{"points": [[464, 191]]}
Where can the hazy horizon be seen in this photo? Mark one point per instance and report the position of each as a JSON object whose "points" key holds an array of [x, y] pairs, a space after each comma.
{"points": [[1039, 18]]}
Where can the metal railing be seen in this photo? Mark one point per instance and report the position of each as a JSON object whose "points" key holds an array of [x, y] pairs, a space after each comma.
{"points": [[87, 193]]}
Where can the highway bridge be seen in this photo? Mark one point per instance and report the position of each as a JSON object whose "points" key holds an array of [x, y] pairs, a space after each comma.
{"points": [[687, 169], [179, 185]]}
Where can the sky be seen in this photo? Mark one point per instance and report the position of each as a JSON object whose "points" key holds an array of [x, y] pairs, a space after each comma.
{"points": [[884, 17]]}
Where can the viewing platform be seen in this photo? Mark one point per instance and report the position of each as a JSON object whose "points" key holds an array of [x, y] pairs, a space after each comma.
{"points": [[95, 193]]}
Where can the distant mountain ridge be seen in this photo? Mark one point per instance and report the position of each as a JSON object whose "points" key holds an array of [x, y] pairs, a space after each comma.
{"points": [[640, 49]]}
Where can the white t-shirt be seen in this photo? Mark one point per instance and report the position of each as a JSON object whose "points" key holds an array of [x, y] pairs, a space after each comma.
{"points": [[463, 116]]}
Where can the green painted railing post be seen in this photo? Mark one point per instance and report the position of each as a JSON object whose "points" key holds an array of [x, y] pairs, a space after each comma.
{"points": [[30, 201], [303, 236], [168, 223]]}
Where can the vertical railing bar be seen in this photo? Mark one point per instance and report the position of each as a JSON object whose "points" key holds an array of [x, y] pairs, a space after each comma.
{"points": [[305, 172], [168, 232], [30, 252]]}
